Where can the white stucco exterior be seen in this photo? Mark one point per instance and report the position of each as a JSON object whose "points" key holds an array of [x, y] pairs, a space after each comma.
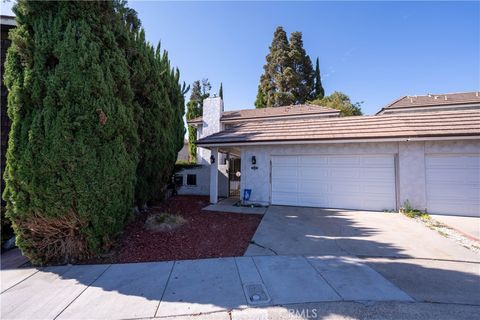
{"points": [[212, 113], [410, 169], [202, 188]]}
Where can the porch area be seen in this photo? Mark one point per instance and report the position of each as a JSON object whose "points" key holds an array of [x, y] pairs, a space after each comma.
{"points": [[234, 205]]}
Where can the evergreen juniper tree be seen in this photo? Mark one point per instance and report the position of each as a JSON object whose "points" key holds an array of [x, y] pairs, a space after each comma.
{"points": [[72, 154], [318, 92]]}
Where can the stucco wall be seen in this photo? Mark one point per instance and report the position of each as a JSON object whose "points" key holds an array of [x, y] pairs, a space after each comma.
{"points": [[411, 174], [203, 181], [212, 112], [410, 171]]}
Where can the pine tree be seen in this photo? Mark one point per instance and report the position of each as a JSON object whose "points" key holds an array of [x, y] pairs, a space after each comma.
{"points": [[220, 92], [72, 155], [200, 91], [274, 82], [318, 92], [302, 78], [288, 76]]}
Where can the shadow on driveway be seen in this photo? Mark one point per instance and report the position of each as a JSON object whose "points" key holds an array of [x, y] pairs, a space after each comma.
{"points": [[428, 273]]}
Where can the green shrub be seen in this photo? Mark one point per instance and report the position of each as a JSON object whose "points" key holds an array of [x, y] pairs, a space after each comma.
{"points": [[72, 151], [160, 98]]}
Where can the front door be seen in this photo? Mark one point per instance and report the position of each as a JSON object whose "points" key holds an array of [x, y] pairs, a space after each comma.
{"points": [[234, 177]]}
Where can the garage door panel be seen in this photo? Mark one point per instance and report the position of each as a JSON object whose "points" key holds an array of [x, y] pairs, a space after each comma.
{"points": [[453, 184], [452, 175], [377, 174], [285, 172], [453, 161], [378, 162], [343, 161], [285, 186], [313, 187], [455, 208], [284, 160], [460, 192], [309, 174], [346, 181], [313, 200], [309, 161], [343, 173]]}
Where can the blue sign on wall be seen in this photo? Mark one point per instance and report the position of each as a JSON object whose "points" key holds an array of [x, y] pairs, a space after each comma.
{"points": [[246, 194]]}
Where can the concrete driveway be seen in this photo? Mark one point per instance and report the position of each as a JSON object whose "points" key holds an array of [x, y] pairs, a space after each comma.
{"points": [[420, 261]]}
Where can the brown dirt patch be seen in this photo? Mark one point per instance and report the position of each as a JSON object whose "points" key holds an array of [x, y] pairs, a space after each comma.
{"points": [[205, 234]]}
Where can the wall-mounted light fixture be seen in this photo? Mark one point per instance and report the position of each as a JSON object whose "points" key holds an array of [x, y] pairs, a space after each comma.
{"points": [[254, 160], [212, 159]]}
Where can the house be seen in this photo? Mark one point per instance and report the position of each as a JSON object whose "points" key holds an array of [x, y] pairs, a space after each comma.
{"points": [[196, 179], [420, 149]]}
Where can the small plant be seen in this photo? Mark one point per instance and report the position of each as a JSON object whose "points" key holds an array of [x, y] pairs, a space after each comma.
{"points": [[410, 212], [161, 222]]}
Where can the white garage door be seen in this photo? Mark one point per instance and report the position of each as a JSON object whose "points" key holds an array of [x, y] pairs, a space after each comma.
{"points": [[350, 182], [453, 184]]}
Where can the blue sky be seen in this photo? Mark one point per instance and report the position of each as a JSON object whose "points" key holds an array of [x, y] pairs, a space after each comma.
{"points": [[373, 51]]}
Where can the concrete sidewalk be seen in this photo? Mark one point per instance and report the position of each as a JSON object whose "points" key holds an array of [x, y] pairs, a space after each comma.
{"points": [[190, 287]]}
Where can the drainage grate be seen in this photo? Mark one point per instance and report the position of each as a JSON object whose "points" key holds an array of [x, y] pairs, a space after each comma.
{"points": [[256, 293]]}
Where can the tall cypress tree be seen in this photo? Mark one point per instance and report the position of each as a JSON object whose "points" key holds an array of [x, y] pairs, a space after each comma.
{"points": [[302, 78], [73, 142], [318, 92], [260, 100], [200, 91], [220, 92], [274, 82]]}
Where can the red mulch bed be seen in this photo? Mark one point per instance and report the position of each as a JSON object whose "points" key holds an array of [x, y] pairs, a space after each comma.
{"points": [[206, 234]]}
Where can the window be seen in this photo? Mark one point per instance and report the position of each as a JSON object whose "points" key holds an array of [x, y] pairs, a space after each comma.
{"points": [[179, 180], [191, 179]]}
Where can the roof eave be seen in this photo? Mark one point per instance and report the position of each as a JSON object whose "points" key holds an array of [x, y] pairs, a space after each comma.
{"points": [[340, 140]]}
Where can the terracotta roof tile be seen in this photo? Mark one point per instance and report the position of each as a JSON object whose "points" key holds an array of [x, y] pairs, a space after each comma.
{"points": [[288, 111], [403, 125], [434, 100]]}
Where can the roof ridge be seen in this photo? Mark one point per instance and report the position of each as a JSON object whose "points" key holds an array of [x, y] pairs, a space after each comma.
{"points": [[391, 104]]}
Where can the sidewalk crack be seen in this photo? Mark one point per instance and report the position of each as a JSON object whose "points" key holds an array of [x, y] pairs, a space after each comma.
{"points": [[261, 246]]}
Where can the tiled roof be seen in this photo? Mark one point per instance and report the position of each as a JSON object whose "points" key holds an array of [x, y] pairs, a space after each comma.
{"points": [[402, 125], [288, 111], [434, 100]]}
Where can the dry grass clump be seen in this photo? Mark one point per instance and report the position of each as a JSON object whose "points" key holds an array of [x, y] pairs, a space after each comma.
{"points": [[164, 222]]}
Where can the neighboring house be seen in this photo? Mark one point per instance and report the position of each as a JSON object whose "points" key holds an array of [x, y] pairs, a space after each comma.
{"points": [[7, 23], [424, 149]]}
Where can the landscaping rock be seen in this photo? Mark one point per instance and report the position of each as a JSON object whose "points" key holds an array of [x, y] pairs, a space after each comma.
{"points": [[9, 244]]}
